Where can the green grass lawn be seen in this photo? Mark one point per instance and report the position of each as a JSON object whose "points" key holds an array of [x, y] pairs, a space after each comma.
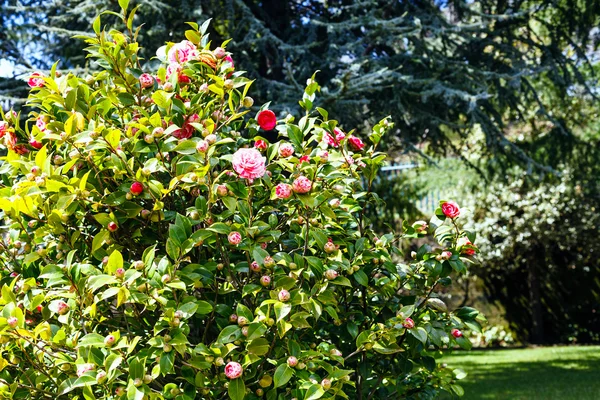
{"points": [[545, 373]]}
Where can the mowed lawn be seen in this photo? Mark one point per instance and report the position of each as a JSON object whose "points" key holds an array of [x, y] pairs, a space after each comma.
{"points": [[544, 373]]}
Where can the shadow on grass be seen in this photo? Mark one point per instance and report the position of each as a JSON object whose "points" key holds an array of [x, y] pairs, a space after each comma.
{"points": [[547, 376]]}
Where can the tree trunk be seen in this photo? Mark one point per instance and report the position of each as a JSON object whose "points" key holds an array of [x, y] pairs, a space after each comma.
{"points": [[537, 319]]}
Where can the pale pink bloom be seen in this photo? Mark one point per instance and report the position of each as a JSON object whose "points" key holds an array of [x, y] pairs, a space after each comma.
{"points": [[233, 370], [234, 238], [202, 146], [283, 191], [283, 295], [83, 368], [302, 185], [182, 52], [286, 150], [146, 81], [249, 163]]}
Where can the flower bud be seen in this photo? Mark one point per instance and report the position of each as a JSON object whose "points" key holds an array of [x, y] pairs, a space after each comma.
{"points": [[284, 295], [109, 340], [248, 102], [330, 274], [265, 280], [292, 361], [326, 384]]}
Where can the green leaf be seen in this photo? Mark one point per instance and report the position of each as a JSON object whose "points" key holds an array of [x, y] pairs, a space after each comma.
{"points": [[419, 333], [259, 346], [237, 389], [283, 374], [315, 391], [92, 339], [96, 25], [166, 362], [115, 261], [124, 4], [282, 310], [229, 334]]}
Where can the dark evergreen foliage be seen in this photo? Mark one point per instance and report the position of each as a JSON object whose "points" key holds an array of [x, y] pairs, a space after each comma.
{"points": [[439, 68]]}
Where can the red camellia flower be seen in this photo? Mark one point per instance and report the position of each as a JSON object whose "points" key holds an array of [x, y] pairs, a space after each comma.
{"points": [[35, 144], [233, 370], [3, 128], [260, 145], [266, 120], [456, 333], [185, 132], [450, 209], [356, 143], [36, 80], [302, 159], [136, 188]]}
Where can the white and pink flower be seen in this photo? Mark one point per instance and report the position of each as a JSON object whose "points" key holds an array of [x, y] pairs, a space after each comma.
{"points": [[249, 163], [234, 238], [233, 370], [182, 52], [286, 150], [36, 80], [283, 191], [302, 185]]}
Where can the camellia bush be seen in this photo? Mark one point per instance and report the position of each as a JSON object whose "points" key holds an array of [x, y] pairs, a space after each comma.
{"points": [[157, 246]]}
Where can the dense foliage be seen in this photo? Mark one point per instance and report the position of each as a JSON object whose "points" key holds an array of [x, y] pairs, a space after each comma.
{"points": [[445, 67], [156, 245], [541, 256]]}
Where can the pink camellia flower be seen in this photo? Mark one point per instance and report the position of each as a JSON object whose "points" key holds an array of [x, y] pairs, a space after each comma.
{"points": [[219, 52], [334, 141], [63, 307], [283, 191], [408, 323], [229, 60], [3, 128], [260, 145], [146, 81], [249, 163], [456, 333], [302, 185], [177, 69], [36, 80], [182, 52], [202, 146], [450, 209], [266, 119], [234, 238], [233, 370], [41, 123], [12, 321], [286, 150], [83, 368], [356, 143], [305, 159], [284, 295]]}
